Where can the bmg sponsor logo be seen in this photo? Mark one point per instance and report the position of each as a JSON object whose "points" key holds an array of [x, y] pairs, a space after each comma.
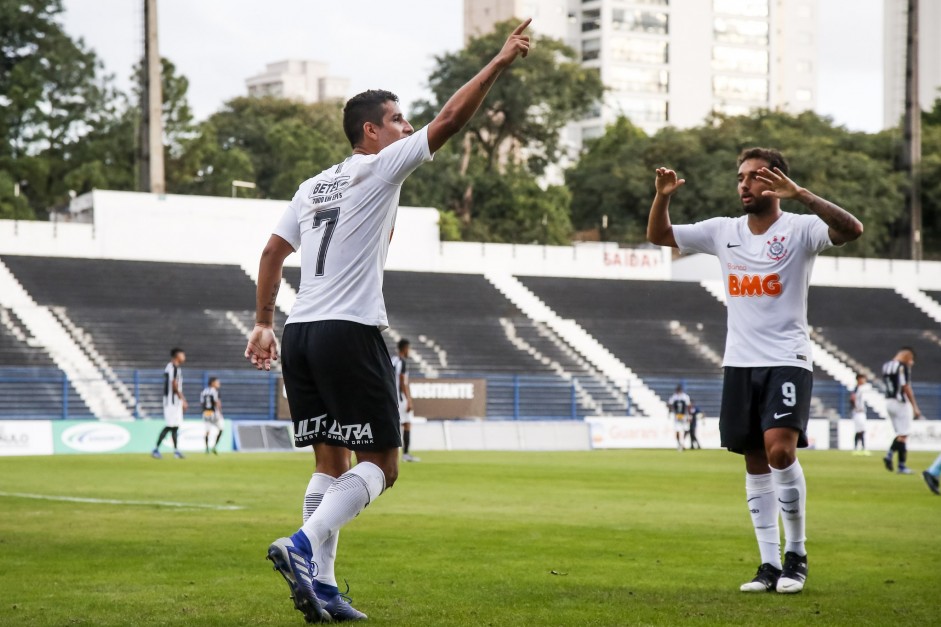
{"points": [[96, 437]]}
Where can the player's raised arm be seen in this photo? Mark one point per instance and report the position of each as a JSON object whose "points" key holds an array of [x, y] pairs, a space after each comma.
{"points": [[659, 228], [844, 227], [460, 107]]}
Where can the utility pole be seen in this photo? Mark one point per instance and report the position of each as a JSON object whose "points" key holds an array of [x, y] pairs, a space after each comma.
{"points": [[151, 127], [911, 132]]}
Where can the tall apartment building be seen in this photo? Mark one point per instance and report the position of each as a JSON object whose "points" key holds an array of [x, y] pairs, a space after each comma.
{"points": [[673, 62], [307, 81], [929, 57]]}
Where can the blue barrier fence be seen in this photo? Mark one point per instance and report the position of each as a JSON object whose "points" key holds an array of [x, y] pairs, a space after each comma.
{"points": [[46, 393]]}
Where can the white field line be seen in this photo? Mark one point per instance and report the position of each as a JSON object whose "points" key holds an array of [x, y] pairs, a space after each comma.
{"points": [[80, 499]]}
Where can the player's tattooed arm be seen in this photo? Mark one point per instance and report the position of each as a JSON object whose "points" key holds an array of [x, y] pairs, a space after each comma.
{"points": [[844, 227], [262, 346]]}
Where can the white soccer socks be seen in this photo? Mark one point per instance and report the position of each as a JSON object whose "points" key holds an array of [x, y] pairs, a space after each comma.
{"points": [[791, 491], [325, 554], [343, 501], [763, 506]]}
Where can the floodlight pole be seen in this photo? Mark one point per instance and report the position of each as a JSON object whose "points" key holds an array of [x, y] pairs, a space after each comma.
{"points": [[151, 129], [911, 131]]}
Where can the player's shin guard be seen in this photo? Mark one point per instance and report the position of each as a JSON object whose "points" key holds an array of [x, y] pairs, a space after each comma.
{"points": [[763, 506], [791, 490], [325, 554], [903, 454], [344, 500]]}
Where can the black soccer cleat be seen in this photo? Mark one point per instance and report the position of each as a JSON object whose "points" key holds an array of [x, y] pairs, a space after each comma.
{"points": [[888, 463], [932, 482], [765, 580], [794, 573]]}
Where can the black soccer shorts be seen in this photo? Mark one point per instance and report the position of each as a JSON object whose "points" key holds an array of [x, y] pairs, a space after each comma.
{"points": [[340, 385], [757, 399]]}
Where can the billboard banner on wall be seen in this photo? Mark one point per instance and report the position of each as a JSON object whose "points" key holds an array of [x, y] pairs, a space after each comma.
{"points": [[449, 398], [25, 437], [80, 436]]}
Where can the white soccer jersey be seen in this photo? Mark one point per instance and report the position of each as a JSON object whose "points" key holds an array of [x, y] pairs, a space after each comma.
{"points": [[170, 374], [766, 281], [342, 220], [679, 403], [859, 404]]}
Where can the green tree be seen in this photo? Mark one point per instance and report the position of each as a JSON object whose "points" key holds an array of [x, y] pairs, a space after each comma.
{"points": [[508, 144], [53, 94], [855, 170], [273, 142]]}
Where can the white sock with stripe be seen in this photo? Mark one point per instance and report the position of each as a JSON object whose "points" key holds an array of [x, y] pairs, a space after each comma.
{"points": [[343, 501], [325, 554], [791, 491], [763, 506]]}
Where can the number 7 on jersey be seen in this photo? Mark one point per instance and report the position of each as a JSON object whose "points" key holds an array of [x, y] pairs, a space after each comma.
{"points": [[330, 217]]}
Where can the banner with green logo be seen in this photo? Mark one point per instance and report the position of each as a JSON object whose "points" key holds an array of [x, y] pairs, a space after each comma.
{"points": [[140, 436]]}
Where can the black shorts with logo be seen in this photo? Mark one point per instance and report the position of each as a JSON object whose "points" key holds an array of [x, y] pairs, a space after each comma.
{"points": [[757, 399], [340, 385]]}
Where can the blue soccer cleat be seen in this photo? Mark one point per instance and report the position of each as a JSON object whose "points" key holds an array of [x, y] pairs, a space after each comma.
{"points": [[336, 603], [156, 454], [299, 573], [178, 454]]}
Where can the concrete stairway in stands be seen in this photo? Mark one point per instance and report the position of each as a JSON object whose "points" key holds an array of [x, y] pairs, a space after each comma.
{"points": [[922, 301], [93, 388], [645, 399]]}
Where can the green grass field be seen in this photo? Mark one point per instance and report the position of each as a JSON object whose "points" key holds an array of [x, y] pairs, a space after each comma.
{"points": [[599, 538]]}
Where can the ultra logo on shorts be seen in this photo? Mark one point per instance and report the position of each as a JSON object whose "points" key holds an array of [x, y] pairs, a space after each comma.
{"points": [[310, 428]]}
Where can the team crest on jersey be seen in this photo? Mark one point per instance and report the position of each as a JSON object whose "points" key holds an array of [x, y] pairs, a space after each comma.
{"points": [[776, 248]]}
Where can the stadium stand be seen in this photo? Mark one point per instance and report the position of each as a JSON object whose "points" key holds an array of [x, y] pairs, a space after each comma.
{"points": [[468, 322], [133, 312], [870, 324], [49, 393]]}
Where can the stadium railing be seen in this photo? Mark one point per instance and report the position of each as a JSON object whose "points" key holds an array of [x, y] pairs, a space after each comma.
{"points": [[48, 394]]}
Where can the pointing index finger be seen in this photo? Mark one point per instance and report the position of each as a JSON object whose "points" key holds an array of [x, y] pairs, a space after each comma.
{"points": [[519, 29]]}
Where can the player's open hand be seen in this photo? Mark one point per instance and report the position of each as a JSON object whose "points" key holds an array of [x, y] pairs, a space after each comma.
{"points": [[517, 44], [781, 186], [667, 183], [262, 347]]}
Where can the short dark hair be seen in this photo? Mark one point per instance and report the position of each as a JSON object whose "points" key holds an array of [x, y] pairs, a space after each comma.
{"points": [[213, 380], [909, 349], [774, 158], [403, 343], [362, 108], [175, 351]]}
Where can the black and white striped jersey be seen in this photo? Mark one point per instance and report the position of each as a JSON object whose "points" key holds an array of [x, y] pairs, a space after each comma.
{"points": [[170, 374], [895, 375]]}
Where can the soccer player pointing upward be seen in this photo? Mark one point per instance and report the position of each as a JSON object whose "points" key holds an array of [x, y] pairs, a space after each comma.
{"points": [[766, 257], [337, 372]]}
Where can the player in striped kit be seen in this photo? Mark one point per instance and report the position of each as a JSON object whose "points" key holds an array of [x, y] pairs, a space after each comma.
{"points": [[679, 405], [859, 414], [900, 401], [174, 403], [212, 413], [766, 258]]}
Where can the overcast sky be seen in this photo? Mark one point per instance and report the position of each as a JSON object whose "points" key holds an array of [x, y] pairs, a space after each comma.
{"points": [[217, 44]]}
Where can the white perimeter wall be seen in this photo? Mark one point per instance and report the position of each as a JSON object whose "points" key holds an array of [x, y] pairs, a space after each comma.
{"points": [[204, 229]]}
